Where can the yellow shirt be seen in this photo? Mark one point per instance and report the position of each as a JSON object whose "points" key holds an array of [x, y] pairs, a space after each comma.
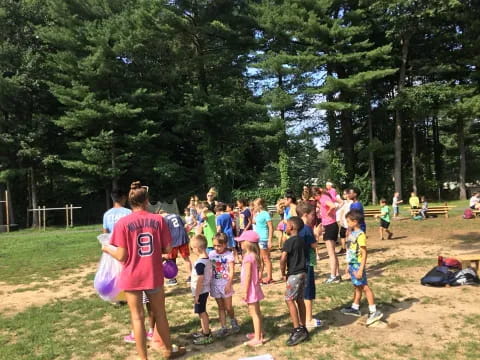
{"points": [[414, 201], [355, 241]]}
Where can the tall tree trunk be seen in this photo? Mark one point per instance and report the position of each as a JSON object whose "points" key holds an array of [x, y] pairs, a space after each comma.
{"points": [[107, 198], [414, 159], [397, 172], [371, 157], [282, 154], [114, 166], [348, 141], [11, 215], [463, 164], [33, 192], [437, 157]]}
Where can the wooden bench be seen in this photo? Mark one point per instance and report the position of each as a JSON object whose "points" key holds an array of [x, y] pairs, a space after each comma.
{"points": [[371, 212], [476, 212], [272, 209], [433, 210], [472, 260]]}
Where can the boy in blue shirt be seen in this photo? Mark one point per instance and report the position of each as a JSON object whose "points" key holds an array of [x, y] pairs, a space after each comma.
{"points": [[353, 195], [118, 210], [225, 225]]}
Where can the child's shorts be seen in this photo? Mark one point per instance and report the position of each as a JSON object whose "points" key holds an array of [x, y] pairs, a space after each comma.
{"points": [[183, 250], [263, 245], [218, 291], [384, 224], [396, 210], [352, 269], [330, 232], [201, 307], [295, 287], [310, 292], [343, 232]]}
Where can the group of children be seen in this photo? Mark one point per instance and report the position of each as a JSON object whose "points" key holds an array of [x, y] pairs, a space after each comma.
{"points": [[219, 240]]}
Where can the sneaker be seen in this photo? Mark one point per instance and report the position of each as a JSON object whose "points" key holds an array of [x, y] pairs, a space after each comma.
{"points": [[298, 335], [129, 339], [333, 280], [342, 252], [222, 332], [172, 282], [314, 324], [150, 335], [373, 317], [390, 236], [203, 339], [351, 311], [235, 327]]}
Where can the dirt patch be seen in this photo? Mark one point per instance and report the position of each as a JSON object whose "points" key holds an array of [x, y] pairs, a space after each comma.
{"points": [[16, 298]]}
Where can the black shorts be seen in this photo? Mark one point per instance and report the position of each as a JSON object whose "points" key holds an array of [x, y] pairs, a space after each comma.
{"points": [[343, 232], [384, 224], [309, 293], [330, 232], [201, 307]]}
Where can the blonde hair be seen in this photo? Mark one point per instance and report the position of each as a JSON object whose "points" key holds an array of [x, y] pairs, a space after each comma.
{"points": [[212, 191], [254, 248], [138, 195], [201, 241]]}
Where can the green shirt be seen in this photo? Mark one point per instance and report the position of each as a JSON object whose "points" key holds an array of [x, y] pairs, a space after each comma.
{"points": [[210, 229], [385, 210]]}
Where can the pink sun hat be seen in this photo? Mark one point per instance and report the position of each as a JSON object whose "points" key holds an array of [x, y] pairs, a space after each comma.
{"points": [[248, 235]]}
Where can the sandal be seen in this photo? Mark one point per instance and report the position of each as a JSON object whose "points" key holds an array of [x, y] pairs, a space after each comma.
{"points": [[253, 343]]}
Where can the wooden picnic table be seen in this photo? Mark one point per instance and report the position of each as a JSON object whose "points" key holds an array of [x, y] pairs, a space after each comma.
{"points": [[433, 210]]}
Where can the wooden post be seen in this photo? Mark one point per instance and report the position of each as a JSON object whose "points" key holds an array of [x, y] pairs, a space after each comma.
{"points": [[39, 216], [66, 216], [71, 215], [44, 218], [6, 211]]}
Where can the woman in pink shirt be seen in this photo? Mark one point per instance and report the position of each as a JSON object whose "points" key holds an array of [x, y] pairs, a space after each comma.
{"points": [[141, 238], [330, 233]]}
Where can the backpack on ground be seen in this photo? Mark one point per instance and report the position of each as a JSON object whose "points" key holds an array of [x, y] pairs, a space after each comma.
{"points": [[438, 276], [418, 217], [451, 263], [466, 276], [468, 214]]}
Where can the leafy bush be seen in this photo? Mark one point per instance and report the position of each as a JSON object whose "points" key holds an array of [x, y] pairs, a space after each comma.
{"points": [[271, 195]]}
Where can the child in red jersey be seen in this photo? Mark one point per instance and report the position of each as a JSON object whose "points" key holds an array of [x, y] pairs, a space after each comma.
{"points": [[141, 238]]}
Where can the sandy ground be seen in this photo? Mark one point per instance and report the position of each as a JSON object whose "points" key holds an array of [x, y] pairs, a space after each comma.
{"points": [[422, 317]]}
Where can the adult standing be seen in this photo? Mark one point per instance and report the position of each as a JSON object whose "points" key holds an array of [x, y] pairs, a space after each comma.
{"points": [[330, 233], [118, 210], [141, 238], [211, 199]]}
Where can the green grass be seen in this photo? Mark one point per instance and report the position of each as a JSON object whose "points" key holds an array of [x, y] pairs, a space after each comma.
{"points": [[27, 256], [64, 330]]}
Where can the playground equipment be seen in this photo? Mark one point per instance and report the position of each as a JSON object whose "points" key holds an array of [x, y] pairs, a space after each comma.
{"points": [[7, 214], [41, 213]]}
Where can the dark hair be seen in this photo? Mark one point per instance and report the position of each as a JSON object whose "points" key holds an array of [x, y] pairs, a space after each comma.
{"points": [[243, 201], [355, 215], [221, 238], [220, 207], [382, 200], [304, 207], [118, 195], [297, 222], [138, 194], [356, 190], [291, 195], [231, 206]]}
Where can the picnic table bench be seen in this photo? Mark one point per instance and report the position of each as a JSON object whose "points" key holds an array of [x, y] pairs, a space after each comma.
{"points": [[476, 212], [371, 212], [433, 210], [469, 260], [272, 209]]}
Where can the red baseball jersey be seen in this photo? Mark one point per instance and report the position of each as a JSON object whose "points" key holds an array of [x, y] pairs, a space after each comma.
{"points": [[144, 235]]}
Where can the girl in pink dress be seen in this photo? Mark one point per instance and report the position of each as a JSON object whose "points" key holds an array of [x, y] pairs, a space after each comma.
{"points": [[250, 281]]}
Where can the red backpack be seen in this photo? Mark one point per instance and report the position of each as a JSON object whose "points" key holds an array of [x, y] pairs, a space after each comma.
{"points": [[451, 263], [468, 214]]}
